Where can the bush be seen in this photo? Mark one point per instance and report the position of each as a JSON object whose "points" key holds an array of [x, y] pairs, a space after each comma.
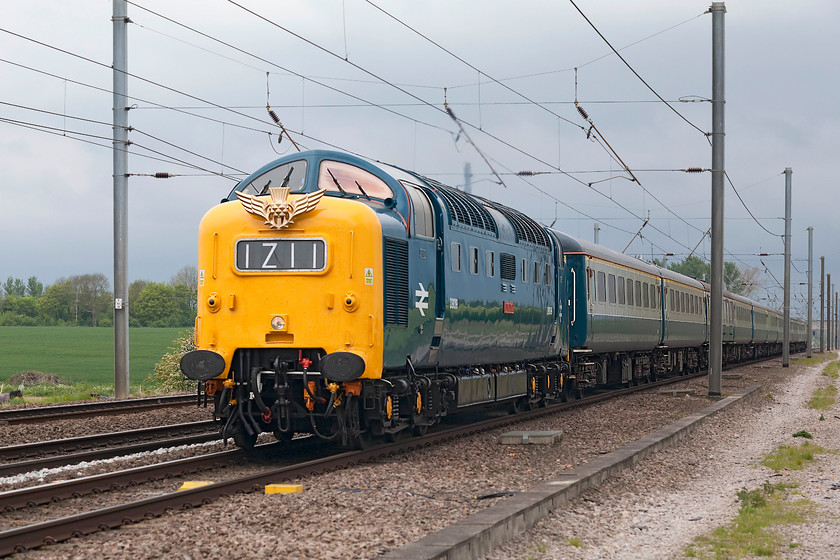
{"points": [[168, 377]]}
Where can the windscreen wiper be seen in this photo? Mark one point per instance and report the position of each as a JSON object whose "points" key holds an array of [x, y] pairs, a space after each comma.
{"points": [[265, 188], [363, 190], [288, 175], [337, 184]]}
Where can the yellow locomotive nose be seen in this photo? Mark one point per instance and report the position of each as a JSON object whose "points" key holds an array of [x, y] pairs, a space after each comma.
{"points": [[307, 290]]}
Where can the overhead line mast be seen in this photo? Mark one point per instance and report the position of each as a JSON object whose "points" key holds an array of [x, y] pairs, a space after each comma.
{"points": [[120, 21]]}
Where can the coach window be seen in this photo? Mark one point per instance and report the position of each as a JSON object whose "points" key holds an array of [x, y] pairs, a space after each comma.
{"points": [[490, 259], [352, 181], [629, 291], [653, 296], [620, 286], [473, 260], [671, 306], [638, 293], [424, 222], [602, 286], [646, 294], [455, 257], [611, 287]]}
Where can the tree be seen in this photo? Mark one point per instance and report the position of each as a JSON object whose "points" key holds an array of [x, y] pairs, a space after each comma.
{"points": [[185, 283], [34, 288], [696, 268], [14, 287], [57, 305], [693, 267], [91, 296], [153, 307]]}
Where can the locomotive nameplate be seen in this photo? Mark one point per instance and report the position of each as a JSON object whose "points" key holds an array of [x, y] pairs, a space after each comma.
{"points": [[281, 255]]}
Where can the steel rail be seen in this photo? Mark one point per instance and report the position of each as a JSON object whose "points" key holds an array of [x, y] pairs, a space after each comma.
{"points": [[10, 469], [47, 413], [67, 445]]}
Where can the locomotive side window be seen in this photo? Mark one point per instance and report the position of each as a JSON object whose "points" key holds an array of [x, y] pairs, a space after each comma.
{"points": [[547, 274], [536, 273], [351, 180], [292, 174], [424, 221], [620, 286], [611, 288], [473, 260], [491, 263], [455, 257], [524, 270], [629, 291], [602, 286]]}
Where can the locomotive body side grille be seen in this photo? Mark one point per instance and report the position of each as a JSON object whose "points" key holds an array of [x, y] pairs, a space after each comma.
{"points": [[396, 282]]}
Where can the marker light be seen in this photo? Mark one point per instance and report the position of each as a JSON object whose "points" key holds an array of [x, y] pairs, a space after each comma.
{"points": [[278, 323]]}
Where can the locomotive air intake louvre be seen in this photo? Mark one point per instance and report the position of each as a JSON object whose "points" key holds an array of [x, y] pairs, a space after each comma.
{"points": [[396, 282]]}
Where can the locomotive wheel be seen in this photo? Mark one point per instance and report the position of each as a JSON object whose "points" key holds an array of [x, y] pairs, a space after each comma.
{"points": [[283, 437], [242, 438], [360, 436]]}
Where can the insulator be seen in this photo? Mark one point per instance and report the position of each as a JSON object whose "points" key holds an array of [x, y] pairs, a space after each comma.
{"points": [[526, 173], [582, 112], [694, 170], [274, 116], [162, 175]]}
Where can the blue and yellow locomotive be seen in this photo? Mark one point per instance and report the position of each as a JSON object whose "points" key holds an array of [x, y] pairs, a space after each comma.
{"points": [[353, 300]]}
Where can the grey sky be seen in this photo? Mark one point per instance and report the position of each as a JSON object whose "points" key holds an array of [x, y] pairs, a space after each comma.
{"points": [[781, 111]]}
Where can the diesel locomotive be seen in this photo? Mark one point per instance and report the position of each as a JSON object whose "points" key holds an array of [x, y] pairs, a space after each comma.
{"points": [[356, 300]]}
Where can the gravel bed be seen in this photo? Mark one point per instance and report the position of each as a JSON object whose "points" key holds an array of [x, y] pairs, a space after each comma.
{"points": [[656, 509], [365, 510], [14, 434]]}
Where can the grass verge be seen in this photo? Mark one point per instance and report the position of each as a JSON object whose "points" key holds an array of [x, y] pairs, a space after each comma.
{"points": [[832, 370], [750, 533], [823, 399]]}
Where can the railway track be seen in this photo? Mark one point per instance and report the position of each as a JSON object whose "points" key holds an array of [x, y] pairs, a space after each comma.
{"points": [[49, 532], [50, 413], [75, 444]]}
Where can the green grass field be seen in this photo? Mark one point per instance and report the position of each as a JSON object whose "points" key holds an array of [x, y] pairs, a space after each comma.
{"points": [[80, 354]]}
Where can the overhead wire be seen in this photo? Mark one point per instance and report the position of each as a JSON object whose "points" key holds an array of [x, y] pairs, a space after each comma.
{"points": [[618, 54]]}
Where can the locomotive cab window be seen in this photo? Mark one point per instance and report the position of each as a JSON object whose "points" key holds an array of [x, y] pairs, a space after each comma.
{"points": [[424, 218], [291, 174], [352, 181]]}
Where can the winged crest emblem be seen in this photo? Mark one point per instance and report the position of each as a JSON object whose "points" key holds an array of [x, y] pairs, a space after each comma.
{"points": [[278, 211]]}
